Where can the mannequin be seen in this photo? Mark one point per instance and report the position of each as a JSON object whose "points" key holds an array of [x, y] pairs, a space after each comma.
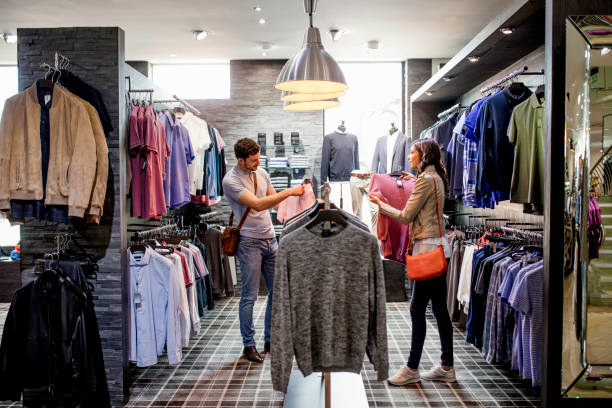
{"points": [[391, 153], [339, 157]]}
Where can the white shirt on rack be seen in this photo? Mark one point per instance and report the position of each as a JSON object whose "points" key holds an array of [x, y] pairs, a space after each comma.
{"points": [[200, 140]]}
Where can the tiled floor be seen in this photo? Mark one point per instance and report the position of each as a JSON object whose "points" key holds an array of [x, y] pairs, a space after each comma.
{"points": [[212, 375]]}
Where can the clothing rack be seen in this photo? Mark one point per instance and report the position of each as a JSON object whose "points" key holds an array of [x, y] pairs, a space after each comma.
{"points": [[190, 106], [521, 71], [449, 111], [532, 236], [156, 231]]}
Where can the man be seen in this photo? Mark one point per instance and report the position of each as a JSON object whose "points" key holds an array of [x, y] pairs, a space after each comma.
{"points": [[257, 246]]}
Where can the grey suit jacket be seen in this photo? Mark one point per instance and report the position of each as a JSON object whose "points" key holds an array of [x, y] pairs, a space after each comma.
{"points": [[400, 155]]}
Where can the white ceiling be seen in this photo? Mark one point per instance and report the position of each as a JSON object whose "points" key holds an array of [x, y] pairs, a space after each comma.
{"points": [[155, 29]]}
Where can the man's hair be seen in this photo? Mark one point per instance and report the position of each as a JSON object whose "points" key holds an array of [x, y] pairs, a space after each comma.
{"points": [[245, 147]]}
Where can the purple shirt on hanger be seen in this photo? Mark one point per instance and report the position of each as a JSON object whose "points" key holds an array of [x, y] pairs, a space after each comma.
{"points": [[176, 183]]}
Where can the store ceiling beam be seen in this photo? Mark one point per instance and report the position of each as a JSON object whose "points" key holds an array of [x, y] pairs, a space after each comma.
{"points": [[495, 49]]}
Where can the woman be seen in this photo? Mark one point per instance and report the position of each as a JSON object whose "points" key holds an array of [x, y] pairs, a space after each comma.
{"points": [[421, 211]]}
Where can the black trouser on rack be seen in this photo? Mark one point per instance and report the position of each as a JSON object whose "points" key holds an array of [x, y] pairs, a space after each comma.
{"points": [[422, 292]]}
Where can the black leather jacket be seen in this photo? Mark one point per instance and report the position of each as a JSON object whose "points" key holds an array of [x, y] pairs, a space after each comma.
{"points": [[51, 342]]}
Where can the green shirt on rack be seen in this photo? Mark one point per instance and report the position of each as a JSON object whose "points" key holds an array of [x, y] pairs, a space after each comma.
{"points": [[526, 133]]}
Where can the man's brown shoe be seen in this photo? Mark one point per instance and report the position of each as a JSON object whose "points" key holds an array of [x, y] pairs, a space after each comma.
{"points": [[251, 354]]}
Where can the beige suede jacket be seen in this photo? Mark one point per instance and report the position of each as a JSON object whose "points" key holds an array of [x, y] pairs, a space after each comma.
{"points": [[72, 163], [421, 206]]}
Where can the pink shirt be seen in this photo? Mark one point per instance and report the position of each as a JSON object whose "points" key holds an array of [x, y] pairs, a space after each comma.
{"points": [[136, 143], [294, 205], [394, 237]]}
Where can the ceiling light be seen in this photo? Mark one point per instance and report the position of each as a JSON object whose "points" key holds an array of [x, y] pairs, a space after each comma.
{"points": [[335, 34], [605, 51], [428, 93], [9, 38], [172, 55], [302, 97], [264, 53], [312, 69], [257, 8], [262, 21], [507, 30], [200, 34], [311, 105], [473, 59], [373, 45], [448, 78]]}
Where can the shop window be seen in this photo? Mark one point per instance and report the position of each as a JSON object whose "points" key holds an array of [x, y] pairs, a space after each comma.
{"points": [[372, 102], [8, 83], [194, 81]]}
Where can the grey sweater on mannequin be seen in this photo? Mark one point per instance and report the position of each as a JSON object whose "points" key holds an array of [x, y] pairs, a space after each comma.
{"points": [[328, 305]]}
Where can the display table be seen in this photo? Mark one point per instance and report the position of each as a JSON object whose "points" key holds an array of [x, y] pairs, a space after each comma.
{"points": [[347, 390]]}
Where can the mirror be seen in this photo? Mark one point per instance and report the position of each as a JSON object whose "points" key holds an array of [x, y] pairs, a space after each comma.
{"points": [[587, 286]]}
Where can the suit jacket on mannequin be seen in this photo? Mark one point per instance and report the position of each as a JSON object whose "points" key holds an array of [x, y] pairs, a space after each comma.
{"points": [[400, 154]]}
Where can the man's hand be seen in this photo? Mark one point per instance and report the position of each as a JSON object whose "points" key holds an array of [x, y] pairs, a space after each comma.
{"points": [[297, 190], [406, 176]]}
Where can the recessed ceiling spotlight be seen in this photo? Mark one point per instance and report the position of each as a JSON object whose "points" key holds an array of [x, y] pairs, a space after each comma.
{"points": [[9, 38], [257, 9], [473, 59], [200, 34], [172, 55], [335, 34], [507, 30], [373, 45], [262, 21], [264, 53], [448, 78], [605, 51], [428, 93]]}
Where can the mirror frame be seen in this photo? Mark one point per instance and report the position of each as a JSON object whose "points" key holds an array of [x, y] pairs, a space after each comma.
{"points": [[557, 11]]}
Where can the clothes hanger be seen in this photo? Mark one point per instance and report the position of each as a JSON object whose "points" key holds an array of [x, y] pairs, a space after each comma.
{"points": [[331, 215]]}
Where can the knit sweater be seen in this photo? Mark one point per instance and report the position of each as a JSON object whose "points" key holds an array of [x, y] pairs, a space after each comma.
{"points": [[328, 305]]}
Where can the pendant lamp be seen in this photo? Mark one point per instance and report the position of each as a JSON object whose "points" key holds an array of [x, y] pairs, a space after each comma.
{"points": [[311, 105], [312, 70], [303, 97]]}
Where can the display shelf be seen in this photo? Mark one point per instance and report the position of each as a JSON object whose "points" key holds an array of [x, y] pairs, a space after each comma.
{"points": [[495, 50]]}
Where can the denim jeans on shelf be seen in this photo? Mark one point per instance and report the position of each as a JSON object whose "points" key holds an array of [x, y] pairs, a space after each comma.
{"points": [[422, 292], [256, 256]]}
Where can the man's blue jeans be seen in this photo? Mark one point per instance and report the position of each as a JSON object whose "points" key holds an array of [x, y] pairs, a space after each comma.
{"points": [[256, 257]]}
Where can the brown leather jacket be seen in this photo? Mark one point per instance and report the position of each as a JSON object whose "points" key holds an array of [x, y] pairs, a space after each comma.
{"points": [[420, 210], [72, 164]]}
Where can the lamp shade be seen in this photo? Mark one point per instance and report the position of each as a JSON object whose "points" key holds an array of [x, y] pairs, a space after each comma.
{"points": [[301, 97], [311, 105], [312, 70]]}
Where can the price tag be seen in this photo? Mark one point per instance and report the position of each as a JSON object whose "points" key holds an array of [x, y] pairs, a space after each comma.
{"points": [[137, 299]]}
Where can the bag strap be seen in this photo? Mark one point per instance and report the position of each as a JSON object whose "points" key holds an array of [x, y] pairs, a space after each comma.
{"points": [[246, 213], [437, 207]]}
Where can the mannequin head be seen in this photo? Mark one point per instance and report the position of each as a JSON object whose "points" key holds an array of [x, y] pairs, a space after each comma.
{"points": [[247, 154]]}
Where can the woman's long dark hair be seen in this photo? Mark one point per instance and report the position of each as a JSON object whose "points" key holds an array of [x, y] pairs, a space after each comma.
{"points": [[431, 156]]}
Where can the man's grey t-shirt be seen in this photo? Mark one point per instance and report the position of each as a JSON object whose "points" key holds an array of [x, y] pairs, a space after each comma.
{"points": [[236, 182]]}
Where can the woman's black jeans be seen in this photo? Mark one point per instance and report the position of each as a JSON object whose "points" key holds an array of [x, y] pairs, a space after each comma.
{"points": [[422, 292]]}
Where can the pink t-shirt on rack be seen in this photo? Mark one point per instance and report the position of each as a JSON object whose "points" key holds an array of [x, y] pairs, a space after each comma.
{"points": [[294, 205], [393, 236]]}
